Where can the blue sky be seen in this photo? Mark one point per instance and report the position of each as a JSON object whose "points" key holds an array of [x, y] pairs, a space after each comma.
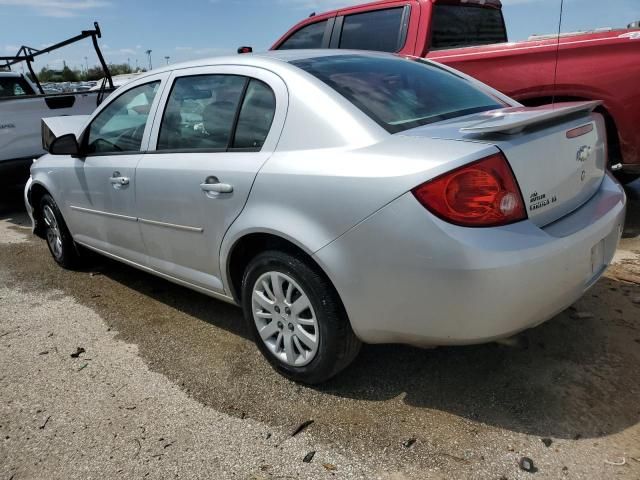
{"points": [[189, 29]]}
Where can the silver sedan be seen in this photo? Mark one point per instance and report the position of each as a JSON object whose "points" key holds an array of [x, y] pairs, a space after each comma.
{"points": [[339, 198]]}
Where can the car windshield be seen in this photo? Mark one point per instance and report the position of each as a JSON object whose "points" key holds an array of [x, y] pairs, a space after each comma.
{"points": [[399, 93]]}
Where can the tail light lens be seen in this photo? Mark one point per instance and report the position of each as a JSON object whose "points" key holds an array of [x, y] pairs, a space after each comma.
{"points": [[481, 194]]}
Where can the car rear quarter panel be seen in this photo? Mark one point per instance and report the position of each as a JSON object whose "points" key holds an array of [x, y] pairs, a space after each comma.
{"points": [[406, 276], [311, 197]]}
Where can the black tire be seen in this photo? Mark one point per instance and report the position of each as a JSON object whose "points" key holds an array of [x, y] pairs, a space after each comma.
{"points": [[626, 178], [67, 256], [337, 345]]}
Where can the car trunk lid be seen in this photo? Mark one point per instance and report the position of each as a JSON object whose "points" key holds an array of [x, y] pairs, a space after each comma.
{"points": [[557, 152]]}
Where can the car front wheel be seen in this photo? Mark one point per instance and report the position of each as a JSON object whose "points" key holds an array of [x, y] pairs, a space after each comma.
{"points": [[59, 240], [296, 318]]}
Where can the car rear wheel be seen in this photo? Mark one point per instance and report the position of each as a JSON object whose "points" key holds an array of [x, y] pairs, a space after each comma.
{"points": [[296, 318], [59, 240]]}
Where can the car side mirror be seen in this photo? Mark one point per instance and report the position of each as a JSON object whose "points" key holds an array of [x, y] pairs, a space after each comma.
{"points": [[65, 145]]}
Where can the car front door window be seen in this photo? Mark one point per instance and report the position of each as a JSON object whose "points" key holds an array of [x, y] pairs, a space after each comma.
{"points": [[120, 126]]}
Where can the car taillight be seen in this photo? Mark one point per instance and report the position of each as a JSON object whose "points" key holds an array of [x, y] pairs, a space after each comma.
{"points": [[481, 194]]}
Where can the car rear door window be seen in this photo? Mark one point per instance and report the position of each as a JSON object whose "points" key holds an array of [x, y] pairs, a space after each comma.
{"points": [[120, 126], [200, 112], [465, 26], [256, 116], [310, 36], [380, 30]]}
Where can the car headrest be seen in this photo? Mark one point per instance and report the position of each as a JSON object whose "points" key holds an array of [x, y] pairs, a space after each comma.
{"points": [[218, 116]]}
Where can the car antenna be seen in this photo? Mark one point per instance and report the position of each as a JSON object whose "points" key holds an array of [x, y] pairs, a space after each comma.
{"points": [[555, 71]]}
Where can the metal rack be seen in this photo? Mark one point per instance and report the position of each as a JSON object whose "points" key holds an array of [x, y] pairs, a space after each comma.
{"points": [[28, 54]]}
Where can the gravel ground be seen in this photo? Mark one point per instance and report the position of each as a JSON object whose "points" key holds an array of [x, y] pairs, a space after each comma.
{"points": [[169, 387]]}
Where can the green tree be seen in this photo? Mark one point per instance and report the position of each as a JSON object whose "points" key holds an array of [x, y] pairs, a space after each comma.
{"points": [[69, 75], [45, 75]]}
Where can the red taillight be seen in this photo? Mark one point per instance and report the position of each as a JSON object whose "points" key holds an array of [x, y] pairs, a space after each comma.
{"points": [[482, 194]]}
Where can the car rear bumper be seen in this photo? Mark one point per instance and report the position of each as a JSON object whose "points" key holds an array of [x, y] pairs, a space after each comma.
{"points": [[407, 277]]}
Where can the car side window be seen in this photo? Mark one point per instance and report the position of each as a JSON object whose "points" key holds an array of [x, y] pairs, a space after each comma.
{"points": [[256, 116], [310, 36], [200, 112], [379, 30], [13, 87], [120, 126]]}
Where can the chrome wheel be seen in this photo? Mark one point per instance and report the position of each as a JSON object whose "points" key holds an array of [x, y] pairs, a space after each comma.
{"points": [[285, 319], [54, 238]]}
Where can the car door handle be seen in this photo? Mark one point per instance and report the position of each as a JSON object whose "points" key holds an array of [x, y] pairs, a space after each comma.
{"points": [[119, 180], [212, 184]]}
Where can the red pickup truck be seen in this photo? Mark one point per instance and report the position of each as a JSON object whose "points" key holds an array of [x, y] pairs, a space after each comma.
{"points": [[471, 36]]}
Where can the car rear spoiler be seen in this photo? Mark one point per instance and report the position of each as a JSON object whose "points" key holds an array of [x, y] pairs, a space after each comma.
{"points": [[515, 119]]}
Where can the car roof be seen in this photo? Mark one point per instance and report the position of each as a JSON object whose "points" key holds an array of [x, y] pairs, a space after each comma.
{"points": [[272, 57], [269, 59]]}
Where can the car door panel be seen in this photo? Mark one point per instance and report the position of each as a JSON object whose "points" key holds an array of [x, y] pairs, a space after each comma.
{"points": [[182, 224], [183, 218], [100, 188], [102, 214]]}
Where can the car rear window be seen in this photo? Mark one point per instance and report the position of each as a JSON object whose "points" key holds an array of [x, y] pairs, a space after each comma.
{"points": [[399, 93], [466, 26]]}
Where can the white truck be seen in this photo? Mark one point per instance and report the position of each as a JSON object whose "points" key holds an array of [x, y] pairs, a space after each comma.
{"points": [[23, 104]]}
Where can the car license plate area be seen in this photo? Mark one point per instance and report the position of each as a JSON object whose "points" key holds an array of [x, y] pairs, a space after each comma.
{"points": [[597, 257], [599, 261]]}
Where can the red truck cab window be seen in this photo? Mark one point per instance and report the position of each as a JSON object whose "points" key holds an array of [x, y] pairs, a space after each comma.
{"points": [[456, 25], [378, 30], [309, 36]]}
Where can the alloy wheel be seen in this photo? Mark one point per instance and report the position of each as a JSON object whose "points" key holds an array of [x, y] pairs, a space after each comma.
{"points": [[54, 238], [285, 319]]}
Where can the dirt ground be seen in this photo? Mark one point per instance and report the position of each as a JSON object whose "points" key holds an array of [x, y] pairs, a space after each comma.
{"points": [[170, 387]]}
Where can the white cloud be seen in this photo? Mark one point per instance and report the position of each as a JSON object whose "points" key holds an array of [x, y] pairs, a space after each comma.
{"points": [[57, 8], [127, 51]]}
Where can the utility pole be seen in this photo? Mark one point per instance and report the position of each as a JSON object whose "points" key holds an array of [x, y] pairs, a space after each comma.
{"points": [[167, 59], [86, 62], [148, 52], [129, 63]]}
